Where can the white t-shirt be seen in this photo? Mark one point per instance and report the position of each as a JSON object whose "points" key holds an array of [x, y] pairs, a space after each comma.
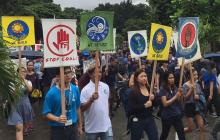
{"points": [[97, 116]]}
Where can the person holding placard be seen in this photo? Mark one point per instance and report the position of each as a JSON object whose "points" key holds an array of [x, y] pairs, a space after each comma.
{"points": [[63, 127], [191, 97], [140, 104], [171, 110], [95, 106]]}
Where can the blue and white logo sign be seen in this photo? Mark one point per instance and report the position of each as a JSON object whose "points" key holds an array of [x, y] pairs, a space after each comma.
{"points": [[138, 43], [97, 28]]}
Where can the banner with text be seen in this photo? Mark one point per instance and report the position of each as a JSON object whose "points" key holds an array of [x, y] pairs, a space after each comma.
{"points": [[59, 42], [187, 42], [96, 31], [18, 30], [159, 42]]}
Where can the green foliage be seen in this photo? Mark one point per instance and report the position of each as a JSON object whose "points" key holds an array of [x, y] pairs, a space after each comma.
{"points": [[208, 12], [10, 83]]}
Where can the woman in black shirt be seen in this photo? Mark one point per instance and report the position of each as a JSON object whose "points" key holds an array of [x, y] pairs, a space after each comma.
{"points": [[140, 109], [171, 110]]}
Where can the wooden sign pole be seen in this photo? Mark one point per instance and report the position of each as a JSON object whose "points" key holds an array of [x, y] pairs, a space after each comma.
{"points": [[192, 77], [96, 71], [181, 73], [139, 60], [153, 77], [62, 91]]}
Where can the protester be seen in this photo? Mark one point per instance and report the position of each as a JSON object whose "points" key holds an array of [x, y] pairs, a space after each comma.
{"points": [[210, 87], [191, 97], [140, 109], [63, 126], [171, 111], [22, 113], [95, 106], [160, 73]]}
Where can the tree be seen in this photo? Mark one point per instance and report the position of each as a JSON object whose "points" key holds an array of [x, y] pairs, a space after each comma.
{"points": [[209, 29], [10, 83]]}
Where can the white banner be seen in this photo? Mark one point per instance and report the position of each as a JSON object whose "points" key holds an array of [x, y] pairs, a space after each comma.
{"points": [[59, 42], [114, 40], [137, 41], [174, 39]]}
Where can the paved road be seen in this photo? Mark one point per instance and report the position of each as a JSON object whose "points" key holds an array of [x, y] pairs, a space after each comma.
{"points": [[118, 122]]}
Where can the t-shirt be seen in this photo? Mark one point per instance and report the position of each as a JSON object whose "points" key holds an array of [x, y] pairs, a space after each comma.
{"points": [[112, 72], [136, 106], [52, 103], [207, 78], [191, 98], [97, 116], [173, 109]]}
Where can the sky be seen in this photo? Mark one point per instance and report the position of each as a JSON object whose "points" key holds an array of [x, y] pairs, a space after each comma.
{"points": [[89, 4]]}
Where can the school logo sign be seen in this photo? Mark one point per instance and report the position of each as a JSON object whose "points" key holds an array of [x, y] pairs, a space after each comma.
{"points": [[159, 40], [137, 43], [18, 30], [97, 28], [96, 31], [188, 43]]}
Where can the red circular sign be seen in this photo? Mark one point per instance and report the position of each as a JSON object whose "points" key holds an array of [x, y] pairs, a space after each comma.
{"points": [[64, 31], [188, 35]]}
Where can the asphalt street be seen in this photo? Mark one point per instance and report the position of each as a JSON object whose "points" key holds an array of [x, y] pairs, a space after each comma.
{"points": [[42, 131]]}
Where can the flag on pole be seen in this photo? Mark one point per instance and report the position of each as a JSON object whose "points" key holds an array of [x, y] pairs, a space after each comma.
{"points": [[59, 42], [159, 42], [188, 43], [96, 31], [18, 30], [137, 41]]}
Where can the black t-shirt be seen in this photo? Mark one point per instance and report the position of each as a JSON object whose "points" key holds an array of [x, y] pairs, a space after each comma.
{"points": [[173, 109], [111, 77], [161, 72], [136, 106]]}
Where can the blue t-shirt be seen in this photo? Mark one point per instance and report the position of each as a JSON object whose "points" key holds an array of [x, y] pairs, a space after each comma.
{"points": [[172, 110], [208, 77], [52, 104]]}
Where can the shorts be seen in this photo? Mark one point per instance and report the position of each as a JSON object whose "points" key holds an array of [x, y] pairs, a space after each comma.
{"points": [[190, 110]]}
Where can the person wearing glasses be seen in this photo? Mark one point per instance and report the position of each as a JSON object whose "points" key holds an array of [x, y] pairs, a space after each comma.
{"points": [[66, 126]]}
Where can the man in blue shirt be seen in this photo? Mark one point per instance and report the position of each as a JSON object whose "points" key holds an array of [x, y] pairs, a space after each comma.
{"points": [[63, 127]]}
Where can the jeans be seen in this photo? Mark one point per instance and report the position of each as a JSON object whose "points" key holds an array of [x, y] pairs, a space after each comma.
{"points": [[148, 125], [64, 133], [178, 125], [102, 135]]}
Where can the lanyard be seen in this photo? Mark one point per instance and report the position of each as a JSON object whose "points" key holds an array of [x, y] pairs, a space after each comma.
{"points": [[69, 99]]}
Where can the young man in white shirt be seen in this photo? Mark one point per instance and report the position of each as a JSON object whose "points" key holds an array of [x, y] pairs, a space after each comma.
{"points": [[96, 109]]}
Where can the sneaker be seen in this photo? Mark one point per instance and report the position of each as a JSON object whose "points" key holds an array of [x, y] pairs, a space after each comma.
{"points": [[213, 115], [206, 125]]}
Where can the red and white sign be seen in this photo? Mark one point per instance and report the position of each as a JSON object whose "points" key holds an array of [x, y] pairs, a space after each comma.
{"points": [[59, 42]]}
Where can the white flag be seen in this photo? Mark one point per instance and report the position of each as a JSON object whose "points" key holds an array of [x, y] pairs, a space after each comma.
{"points": [[59, 42], [137, 41]]}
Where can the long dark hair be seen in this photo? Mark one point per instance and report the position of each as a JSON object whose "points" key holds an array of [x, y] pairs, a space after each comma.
{"points": [[165, 84], [136, 86]]}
